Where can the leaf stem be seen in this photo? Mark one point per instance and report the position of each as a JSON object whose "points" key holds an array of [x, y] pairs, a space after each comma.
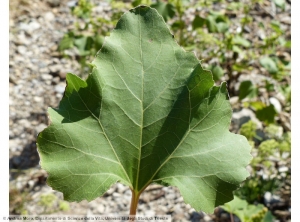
{"points": [[231, 217], [134, 202]]}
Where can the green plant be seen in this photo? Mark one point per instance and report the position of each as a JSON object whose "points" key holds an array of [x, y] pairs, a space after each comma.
{"points": [[256, 185], [47, 200], [148, 113], [89, 32], [17, 200], [248, 212], [248, 130], [51, 204]]}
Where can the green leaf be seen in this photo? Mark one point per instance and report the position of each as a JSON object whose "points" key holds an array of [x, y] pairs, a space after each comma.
{"points": [[280, 4], [148, 113], [198, 22], [269, 64], [248, 130], [235, 205], [166, 10], [84, 45], [247, 89], [217, 22], [247, 212], [267, 147], [239, 40], [66, 42], [266, 114], [217, 72]]}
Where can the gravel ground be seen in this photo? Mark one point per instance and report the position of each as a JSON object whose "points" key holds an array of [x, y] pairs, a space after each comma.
{"points": [[37, 81]]}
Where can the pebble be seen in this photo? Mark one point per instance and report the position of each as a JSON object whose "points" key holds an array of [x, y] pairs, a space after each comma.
{"points": [[38, 99], [243, 116], [270, 198], [71, 3], [283, 169], [46, 77], [54, 3], [275, 102], [49, 16], [22, 49], [101, 209], [25, 123], [29, 28]]}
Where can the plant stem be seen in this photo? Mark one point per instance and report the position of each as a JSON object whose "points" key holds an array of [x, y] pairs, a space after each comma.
{"points": [[134, 202], [231, 217]]}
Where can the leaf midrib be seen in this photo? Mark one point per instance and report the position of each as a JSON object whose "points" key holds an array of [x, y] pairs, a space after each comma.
{"points": [[142, 105]]}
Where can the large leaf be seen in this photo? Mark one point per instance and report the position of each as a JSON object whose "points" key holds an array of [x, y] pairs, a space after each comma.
{"points": [[147, 113]]}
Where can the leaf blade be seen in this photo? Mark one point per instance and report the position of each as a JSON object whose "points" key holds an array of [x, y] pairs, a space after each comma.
{"points": [[131, 119]]}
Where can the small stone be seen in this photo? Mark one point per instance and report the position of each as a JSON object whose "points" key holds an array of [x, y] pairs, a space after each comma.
{"points": [[55, 80], [62, 74], [49, 16], [283, 169], [275, 102], [44, 70], [116, 195], [46, 77], [16, 160], [243, 116], [54, 68], [234, 100], [40, 127], [120, 188], [285, 155], [149, 213], [31, 184], [54, 3], [22, 39], [207, 218], [22, 49], [60, 88], [25, 123], [269, 198], [29, 28], [38, 99], [101, 209], [178, 209], [171, 196], [71, 4]]}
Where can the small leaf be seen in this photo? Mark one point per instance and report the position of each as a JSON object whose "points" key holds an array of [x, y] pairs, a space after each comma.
{"points": [[166, 10], [266, 114], [256, 105], [66, 42], [136, 3], [84, 45], [280, 4], [148, 113], [247, 212], [239, 40], [235, 204], [217, 72], [198, 22], [217, 22], [247, 89], [269, 65]]}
